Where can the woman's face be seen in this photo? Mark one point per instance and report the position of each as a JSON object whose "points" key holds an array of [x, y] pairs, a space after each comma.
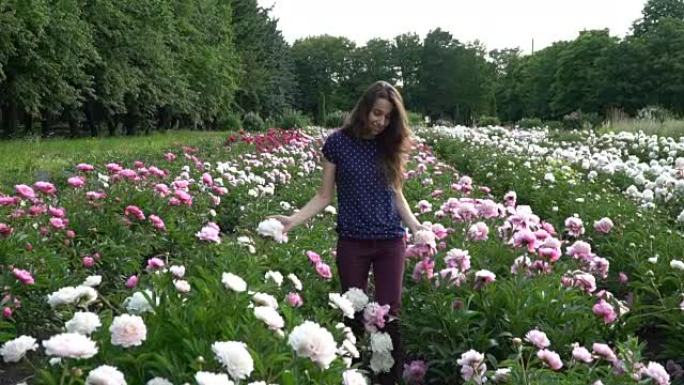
{"points": [[379, 116]]}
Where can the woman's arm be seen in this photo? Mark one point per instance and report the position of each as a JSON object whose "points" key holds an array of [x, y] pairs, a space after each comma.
{"points": [[319, 201], [405, 212]]}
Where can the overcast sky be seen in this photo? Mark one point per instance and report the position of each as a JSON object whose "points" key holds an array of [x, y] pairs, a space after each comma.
{"points": [[496, 23]]}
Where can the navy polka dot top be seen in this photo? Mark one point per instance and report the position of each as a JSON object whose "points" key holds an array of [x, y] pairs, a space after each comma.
{"points": [[366, 205]]}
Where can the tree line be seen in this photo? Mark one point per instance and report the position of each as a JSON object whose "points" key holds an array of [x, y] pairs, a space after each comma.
{"points": [[136, 66]]}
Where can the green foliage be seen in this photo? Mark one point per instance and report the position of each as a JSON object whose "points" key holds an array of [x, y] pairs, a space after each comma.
{"points": [[415, 119], [530, 123], [293, 119], [252, 122], [553, 124], [335, 119], [488, 121], [230, 122]]}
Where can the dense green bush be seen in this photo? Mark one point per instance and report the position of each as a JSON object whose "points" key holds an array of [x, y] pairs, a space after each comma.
{"points": [[530, 123], [488, 121], [293, 119], [335, 119], [231, 122], [252, 122]]}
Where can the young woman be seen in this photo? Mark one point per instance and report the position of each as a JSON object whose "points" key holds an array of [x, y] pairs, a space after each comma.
{"points": [[365, 160]]}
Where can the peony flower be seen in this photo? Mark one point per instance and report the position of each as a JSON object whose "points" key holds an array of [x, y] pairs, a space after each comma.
{"points": [[128, 330], [353, 377], [105, 375], [209, 233], [358, 298], [70, 345], [295, 281], [580, 353], [538, 339], [414, 372], [340, 302], [14, 350], [604, 351], [550, 358], [323, 270], [478, 232], [269, 316], [209, 378], [233, 282], [272, 228], [294, 299], [275, 276], [657, 372], [139, 303], [182, 286], [132, 281], [235, 357], [374, 316], [603, 225], [265, 300], [605, 310], [83, 323], [159, 381], [24, 276], [314, 342]]}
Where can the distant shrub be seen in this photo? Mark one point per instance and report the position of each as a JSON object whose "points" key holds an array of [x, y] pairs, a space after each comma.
{"points": [[335, 119], [252, 122], [415, 119], [293, 119], [485, 121], [230, 122], [530, 123], [554, 124]]}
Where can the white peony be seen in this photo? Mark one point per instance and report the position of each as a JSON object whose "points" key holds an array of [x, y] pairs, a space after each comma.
{"points": [[128, 330], [70, 345], [182, 286], [159, 381], [275, 276], [357, 297], [270, 316], [339, 302], [177, 271], [265, 300], [138, 302], [381, 342], [105, 375], [272, 228], [353, 377], [92, 281], [209, 378], [14, 350], [295, 281], [234, 357], [83, 323], [233, 282], [313, 341], [381, 362]]}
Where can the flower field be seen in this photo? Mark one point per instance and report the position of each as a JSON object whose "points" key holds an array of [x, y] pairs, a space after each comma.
{"points": [[553, 259]]}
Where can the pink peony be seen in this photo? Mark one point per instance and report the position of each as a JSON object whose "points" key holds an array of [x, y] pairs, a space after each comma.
{"points": [[76, 181], [605, 310], [207, 179], [525, 237], [134, 211], [23, 276], [580, 353], [154, 263], [483, 278], [157, 222], [574, 226], [45, 187], [323, 270], [210, 233], [294, 299], [84, 167], [169, 156], [5, 230], [7, 312], [132, 281], [538, 339], [374, 316], [57, 223], [88, 262], [24, 191], [424, 268], [603, 225], [550, 358], [478, 232], [314, 257], [604, 351], [414, 373]]}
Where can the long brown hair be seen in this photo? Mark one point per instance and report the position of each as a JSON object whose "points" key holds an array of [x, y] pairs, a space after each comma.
{"points": [[394, 140]]}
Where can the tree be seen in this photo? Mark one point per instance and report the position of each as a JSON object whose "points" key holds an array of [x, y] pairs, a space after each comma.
{"points": [[655, 11]]}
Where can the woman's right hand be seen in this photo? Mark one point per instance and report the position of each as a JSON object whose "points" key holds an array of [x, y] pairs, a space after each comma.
{"points": [[285, 220]]}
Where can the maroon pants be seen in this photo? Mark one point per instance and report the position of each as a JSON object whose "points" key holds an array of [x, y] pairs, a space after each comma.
{"points": [[355, 257]]}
